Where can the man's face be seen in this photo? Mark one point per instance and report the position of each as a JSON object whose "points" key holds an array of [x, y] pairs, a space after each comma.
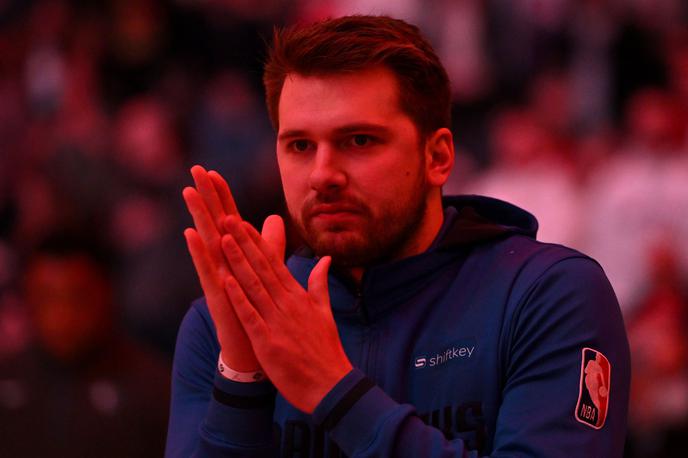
{"points": [[71, 306], [352, 166]]}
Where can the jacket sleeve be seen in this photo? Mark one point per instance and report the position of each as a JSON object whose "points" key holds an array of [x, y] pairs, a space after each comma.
{"points": [[569, 307], [211, 416]]}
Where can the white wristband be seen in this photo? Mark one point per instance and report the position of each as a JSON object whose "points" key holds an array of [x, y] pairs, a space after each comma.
{"points": [[243, 377]]}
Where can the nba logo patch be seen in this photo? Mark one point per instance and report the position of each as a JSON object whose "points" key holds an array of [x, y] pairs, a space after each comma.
{"points": [[593, 395]]}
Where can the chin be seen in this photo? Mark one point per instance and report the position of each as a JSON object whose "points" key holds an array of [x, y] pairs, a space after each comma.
{"points": [[349, 249], [341, 246]]}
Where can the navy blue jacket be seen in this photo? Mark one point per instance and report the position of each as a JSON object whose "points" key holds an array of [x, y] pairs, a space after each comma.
{"points": [[489, 343]]}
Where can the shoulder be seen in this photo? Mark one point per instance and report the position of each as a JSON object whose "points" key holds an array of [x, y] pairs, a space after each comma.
{"points": [[520, 261], [544, 286], [562, 301], [552, 277], [528, 260], [567, 284], [552, 269]]}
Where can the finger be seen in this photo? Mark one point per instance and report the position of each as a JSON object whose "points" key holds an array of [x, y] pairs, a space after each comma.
{"points": [[252, 322], [274, 234], [204, 225], [224, 193], [276, 260], [244, 273], [262, 258], [199, 212], [206, 188], [317, 281], [221, 310], [212, 287]]}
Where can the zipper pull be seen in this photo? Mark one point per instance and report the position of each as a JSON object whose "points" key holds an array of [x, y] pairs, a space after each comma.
{"points": [[362, 312]]}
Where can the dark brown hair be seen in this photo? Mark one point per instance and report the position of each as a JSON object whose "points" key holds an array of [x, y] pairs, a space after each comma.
{"points": [[352, 43]]}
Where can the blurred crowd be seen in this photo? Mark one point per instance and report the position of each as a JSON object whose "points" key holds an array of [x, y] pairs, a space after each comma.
{"points": [[576, 110]]}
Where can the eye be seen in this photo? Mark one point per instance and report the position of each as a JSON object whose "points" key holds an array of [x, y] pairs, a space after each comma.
{"points": [[300, 146], [361, 140]]}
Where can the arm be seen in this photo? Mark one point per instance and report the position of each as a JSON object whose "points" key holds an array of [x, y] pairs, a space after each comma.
{"points": [[209, 203], [210, 415], [203, 421], [570, 307]]}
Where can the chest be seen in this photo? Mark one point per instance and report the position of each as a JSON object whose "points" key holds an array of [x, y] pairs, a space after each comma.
{"points": [[439, 353]]}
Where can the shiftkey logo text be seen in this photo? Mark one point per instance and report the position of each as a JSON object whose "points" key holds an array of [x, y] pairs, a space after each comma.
{"points": [[460, 351]]}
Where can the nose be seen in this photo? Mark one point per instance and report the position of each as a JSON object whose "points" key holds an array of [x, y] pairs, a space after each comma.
{"points": [[327, 174]]}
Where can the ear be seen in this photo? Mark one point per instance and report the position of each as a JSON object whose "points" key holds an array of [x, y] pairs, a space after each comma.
{"points": [[439, 156]]}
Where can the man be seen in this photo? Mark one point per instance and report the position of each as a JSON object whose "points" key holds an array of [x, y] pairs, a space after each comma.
{"points": [[442, 327], [82, 388]]}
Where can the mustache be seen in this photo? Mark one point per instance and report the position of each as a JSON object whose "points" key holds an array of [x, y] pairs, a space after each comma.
{"points": [[333, 203]]}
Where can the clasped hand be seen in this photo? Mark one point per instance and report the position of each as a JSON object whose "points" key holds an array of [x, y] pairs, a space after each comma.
{"points": [[263, 317]]}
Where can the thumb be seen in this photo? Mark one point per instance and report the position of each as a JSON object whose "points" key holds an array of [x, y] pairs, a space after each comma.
{"points": [[273, 233], [317, 281]]}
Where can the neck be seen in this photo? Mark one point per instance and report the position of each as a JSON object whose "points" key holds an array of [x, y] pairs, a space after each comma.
{"points": [[427, 231]]}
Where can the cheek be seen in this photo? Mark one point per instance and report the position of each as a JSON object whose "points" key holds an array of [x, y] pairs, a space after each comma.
{"points": [[293, 188], [391, 180]]}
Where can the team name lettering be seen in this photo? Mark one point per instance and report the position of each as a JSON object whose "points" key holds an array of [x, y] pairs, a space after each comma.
{"points": [[299, 438]]}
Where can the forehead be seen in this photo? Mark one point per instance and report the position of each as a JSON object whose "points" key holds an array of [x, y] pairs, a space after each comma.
{"points": [[327, 101]]}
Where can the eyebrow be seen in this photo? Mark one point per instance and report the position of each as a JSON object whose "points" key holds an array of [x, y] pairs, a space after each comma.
{"points": [[347, 129]]}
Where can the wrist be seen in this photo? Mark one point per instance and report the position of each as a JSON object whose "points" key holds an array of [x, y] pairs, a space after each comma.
{"points": [[239, 376], [325, 384]]}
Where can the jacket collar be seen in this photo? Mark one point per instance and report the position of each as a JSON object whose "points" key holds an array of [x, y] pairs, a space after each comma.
{"points": [[469, 221]]}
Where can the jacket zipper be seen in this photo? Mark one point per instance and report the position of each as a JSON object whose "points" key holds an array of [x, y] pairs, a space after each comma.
{"points": [[361, 310], [367, 347]]}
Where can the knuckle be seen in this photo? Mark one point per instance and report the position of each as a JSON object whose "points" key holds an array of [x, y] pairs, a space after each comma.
{"points": [[213, 241], [239, 236], [254, 284], [262, 264], [251, 318], [271, 256], [235, 295], [234, 259], [233, 255]]}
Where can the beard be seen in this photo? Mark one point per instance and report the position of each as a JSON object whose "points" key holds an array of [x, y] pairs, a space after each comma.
{"points": [[378, 235]]}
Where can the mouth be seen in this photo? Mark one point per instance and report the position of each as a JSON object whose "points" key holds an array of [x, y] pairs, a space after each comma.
{"points": [[332, 209], [336, 213]]}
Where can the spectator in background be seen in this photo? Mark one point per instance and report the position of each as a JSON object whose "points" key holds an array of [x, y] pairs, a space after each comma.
{"points": [[231, 134], [526, 162], [593, 30], [677, 56], [639, 197], [657, 333], [145, 219], [13, 335], [82, 388]]}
